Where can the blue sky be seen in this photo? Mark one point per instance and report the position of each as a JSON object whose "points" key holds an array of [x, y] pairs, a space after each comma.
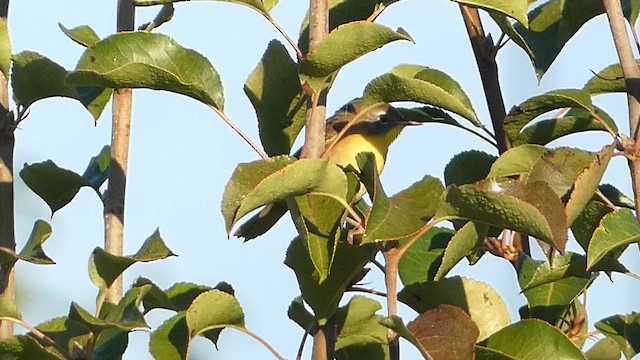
{"points": [[182, 155]]}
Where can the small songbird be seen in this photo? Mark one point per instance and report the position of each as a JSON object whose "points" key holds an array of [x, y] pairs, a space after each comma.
{"points": [[373, 131]]}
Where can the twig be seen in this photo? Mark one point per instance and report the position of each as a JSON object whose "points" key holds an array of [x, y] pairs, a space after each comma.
{"points": [[244, 136], [307, 331], [39, 335], [367, 291]]}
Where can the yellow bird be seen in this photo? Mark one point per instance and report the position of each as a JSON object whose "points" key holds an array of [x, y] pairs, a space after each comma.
{"points": [[372, 131]]}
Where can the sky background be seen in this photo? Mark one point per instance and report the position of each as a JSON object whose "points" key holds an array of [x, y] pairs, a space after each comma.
{"points": [[182, 155]]}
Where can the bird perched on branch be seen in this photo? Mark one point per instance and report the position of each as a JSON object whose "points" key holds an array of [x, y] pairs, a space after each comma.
{"points": [[350, 131]]}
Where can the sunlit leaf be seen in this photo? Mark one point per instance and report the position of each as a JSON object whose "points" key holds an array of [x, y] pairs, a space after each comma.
{"points": [[343, 45], [22, 347], [83, 34], [467, 238], [516, 9], [604, 349], [617, 229], [210, 312], [518, 160], [485, 307], [5, 48], [358, 323], [607, 80], [148, 60], [164, 15], [170, 340], [522, 340]]}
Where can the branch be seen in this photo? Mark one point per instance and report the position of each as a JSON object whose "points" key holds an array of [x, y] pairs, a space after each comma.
{"points": [[632, 84], [7, 215], [120, 134]]}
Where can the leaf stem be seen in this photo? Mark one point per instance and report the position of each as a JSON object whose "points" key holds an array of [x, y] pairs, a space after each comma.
{"points": [[285, 35], [255, 336], [238, 131]]}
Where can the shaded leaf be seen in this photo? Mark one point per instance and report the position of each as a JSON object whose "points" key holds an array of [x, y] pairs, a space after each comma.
{"points": [[97, 170], [182, 294], [35, 77], [574, 121], [624, 330], [324, 297], [104, 267], [261, 6], [423, 85], [170, 340], [273, 88], [343, 45], [21, 347], [65, 332], [421, 261], [485, 307], [110, 344], [299, 314], [617, 229], [358, 323], [604, 349], [468, 167], [83, 34], [533, 107], [164, 15], [404, 213], [155, 298], [467, 238], [616, 196], [607, 80], [148, 60], [534, 273], [522, 341], [32, 251], [516, 9]]}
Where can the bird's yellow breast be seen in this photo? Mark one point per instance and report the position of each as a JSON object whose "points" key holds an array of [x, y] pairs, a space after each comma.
{"points": [[345, 150]]}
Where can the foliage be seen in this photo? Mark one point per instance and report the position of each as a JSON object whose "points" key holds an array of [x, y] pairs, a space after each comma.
{"points": [[488, 205]]}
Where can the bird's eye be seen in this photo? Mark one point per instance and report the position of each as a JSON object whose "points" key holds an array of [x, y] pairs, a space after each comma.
{"points": [[383, 118]]}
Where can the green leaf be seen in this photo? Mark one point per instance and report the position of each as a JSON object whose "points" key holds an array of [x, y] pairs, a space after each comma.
{"points": [[104, 267], [607, 80], [421, 261], [342, 12], [170, 341], [98, 168], [550, 291], [273, 88], [260, 182], [164, 15], [604, 349], [404, 213], [531, 208], [35, 77], [148, 60], [212, 311], [323, 297], [21, 347], [551, 26], [55, 185], [616, 196], [358, 323], [587, 183], [343, 45], [560, 168], [423, 85], [588, 221], [617, 229], [5, 48], [299, 314], [518, 160], [65, 332], [261, 6], [155, 297], [8, 309], [32, 251], [111, 344], [468, 167], [485, 307], [467, 238], [574, 121], [182, 294], [522, 341], [533, 107], [83, 34], [126, 313], [516, 9], [624, 330]]}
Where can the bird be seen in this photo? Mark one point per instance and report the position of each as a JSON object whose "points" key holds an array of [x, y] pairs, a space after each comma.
{"points": [[373, 131]]}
